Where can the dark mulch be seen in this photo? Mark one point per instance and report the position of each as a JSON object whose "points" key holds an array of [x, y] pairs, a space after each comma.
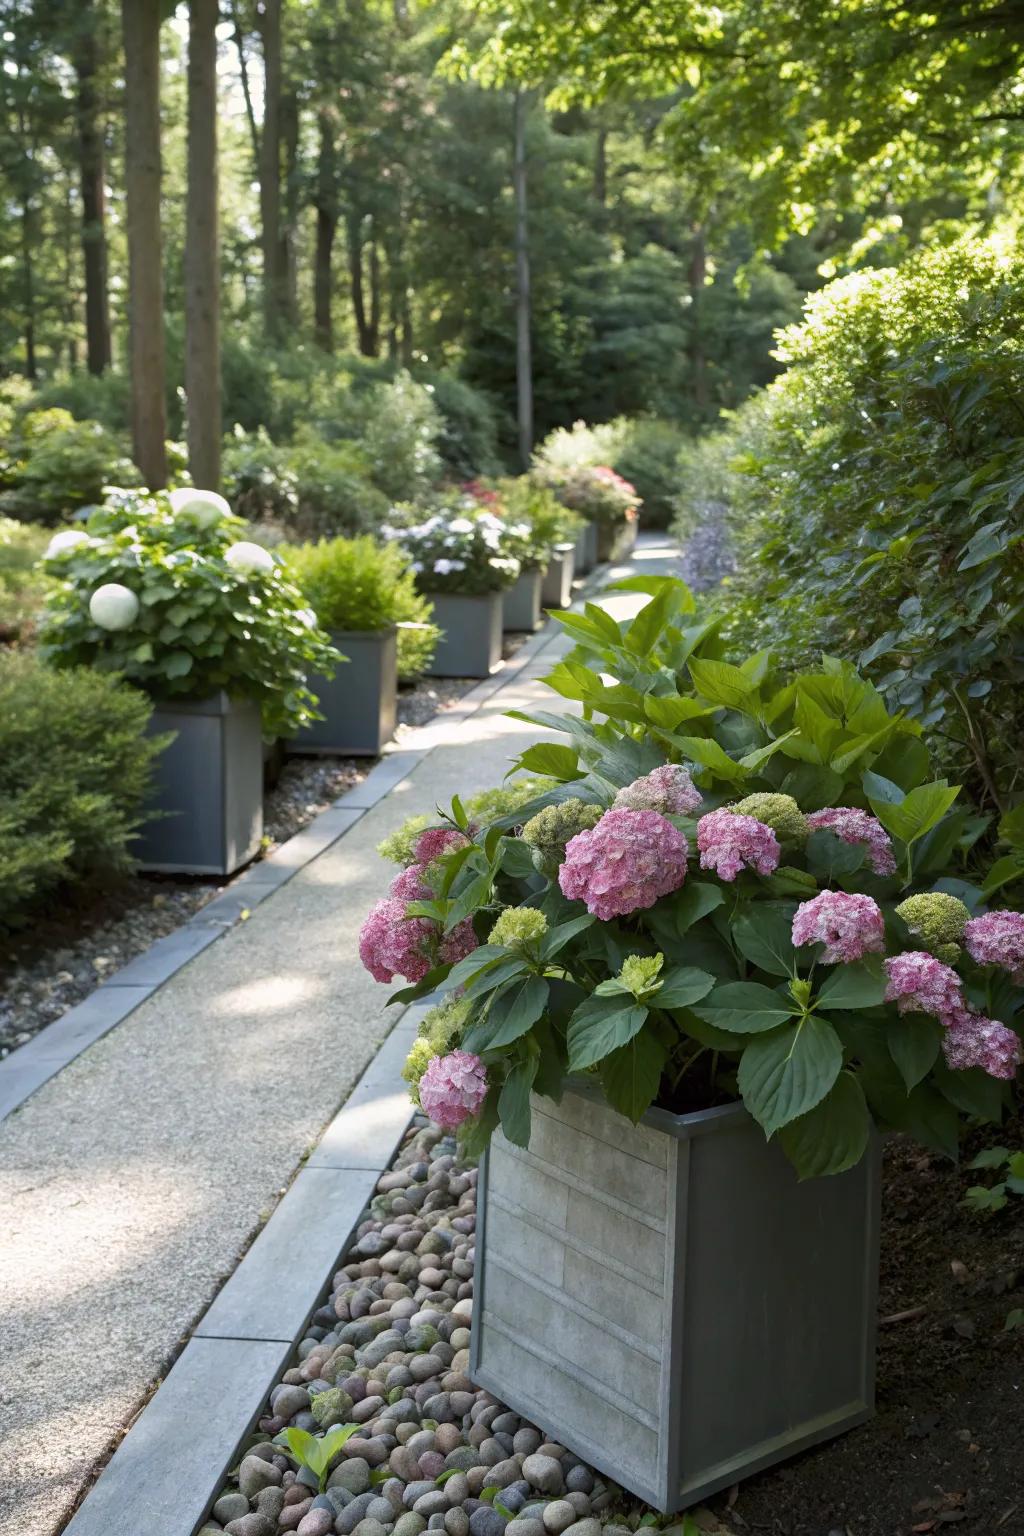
{"points": [[946, 1448]]}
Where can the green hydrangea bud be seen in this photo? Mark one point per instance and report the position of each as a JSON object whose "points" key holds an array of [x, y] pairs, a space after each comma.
{"points": [[491, 804], [518, 926], [416, 1063], [548, 832], [640, 973], [398, 847], [938, 919], [780, 812], [445, 1025]]}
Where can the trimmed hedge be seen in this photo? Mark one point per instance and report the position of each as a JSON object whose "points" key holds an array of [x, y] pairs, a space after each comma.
{"points": [[74, 771]]}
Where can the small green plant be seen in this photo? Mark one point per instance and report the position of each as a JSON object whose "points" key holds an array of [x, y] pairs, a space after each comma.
{"points": [[356, 584], [53, 464], [995, 1197], [183, 606], [550, 522], [315, 1452], [23, 586]]}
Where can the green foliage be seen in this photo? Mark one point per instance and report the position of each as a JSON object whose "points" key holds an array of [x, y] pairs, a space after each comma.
{"points": [[461, 545], [706, 982], [23, 586], [892, 448], [550, 522], [315, 1452], [649, 458], [309, 487], [1009, 1170], [74, 770], [52, 464], [355, 583], [202, 622], [468, 439]]}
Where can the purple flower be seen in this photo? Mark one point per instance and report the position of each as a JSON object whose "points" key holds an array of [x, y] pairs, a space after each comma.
{"points": [[974, 1041], [918, 983], [626, 862], [852, 826], [997, 938], [848, 926], [668, 789], [453, 1088], [459, 943], [729, 842], [390, 944], [437, 841], [409, 884]]}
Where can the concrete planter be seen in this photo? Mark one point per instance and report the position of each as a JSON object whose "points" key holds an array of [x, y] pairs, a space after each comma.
{"points": [[360, 702], [470, 644], [668, 1300], [586, 549], [208, 785], [615, 540], [556, 586], [521, 602]]}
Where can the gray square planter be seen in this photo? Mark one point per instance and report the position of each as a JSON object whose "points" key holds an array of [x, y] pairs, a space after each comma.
{"points": [[521, 602], [208, 785], [668, 1300], [556, 587], [586, 549], [470, 645], [615, 540], [360, 702]]}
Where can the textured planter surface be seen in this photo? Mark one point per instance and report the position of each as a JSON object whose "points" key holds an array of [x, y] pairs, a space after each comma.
{"points": [[521, 602], [208, 785], [556, 586], [360, 702], [470, 645], [668, 1300]]}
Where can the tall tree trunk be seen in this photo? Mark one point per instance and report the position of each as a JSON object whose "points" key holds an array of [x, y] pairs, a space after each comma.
{"points": [[601, 168], [28, 289], [92, 175], [698, 358], [243, 71], [355, 273], [326, 228], [289, 229], [270, 167], [524, 361], [202, 256], [375, 300], [140, 20]]}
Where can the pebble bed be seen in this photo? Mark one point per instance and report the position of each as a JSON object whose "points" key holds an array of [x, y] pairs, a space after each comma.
{"points": [[389, 1351]]}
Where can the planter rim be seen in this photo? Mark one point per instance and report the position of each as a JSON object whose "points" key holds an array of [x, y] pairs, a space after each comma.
{"points": [[366, 634], [563, 547], [433, 593], [696, 1122], [203, 704]]}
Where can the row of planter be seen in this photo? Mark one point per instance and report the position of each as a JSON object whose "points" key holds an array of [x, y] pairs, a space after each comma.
{"points": [[209, 780]]}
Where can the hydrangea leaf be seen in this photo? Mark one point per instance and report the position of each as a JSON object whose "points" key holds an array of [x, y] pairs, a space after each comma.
{"points": [[786, 1073]]}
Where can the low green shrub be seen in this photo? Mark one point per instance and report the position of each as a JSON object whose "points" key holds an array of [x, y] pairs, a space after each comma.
{"points": [[525, 500], [310, 487], [52, 464], [74, 770], [468, 439], [171, 597], [23, 586], [649, 460], [354, 584]]}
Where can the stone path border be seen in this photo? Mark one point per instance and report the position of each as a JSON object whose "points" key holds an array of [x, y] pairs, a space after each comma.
{"points": [[41, 1058], [213, 1394]]}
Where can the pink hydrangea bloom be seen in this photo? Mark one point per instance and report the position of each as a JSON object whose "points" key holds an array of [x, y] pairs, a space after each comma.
{"points": [[392, 945], [853, 826], [918, 983], [997, 938], [974, 1041], [453, 1088], [848, 926], [668, 789], [409, 885], [729, 842], [436, 841], [459, 943], [624, 863]]}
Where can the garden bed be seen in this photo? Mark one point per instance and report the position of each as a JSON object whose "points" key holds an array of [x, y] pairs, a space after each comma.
{"points": [[941, 1450], [70, 950]]}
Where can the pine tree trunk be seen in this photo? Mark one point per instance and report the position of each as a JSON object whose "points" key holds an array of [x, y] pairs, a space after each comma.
{"points": [[524, 361], [698, 358], [270, 168], [92, 176], [289, 272], [373, 333], [28, 291], [202, 257], [140, 21], [355, 274], [326, 228], [601, 168]]}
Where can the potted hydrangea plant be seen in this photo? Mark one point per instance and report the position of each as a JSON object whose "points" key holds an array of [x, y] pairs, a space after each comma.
{"points": [[463, 561], [610, 505], [699, 973], [553, 531], [359, 591], [162, 589]]}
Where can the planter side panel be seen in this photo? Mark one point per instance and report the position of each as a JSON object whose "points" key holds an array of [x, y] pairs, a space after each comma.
{"points": [[360, 702], [521, 603], [556, 587], [570, 1323], [777, 1308], [470, 645]]}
